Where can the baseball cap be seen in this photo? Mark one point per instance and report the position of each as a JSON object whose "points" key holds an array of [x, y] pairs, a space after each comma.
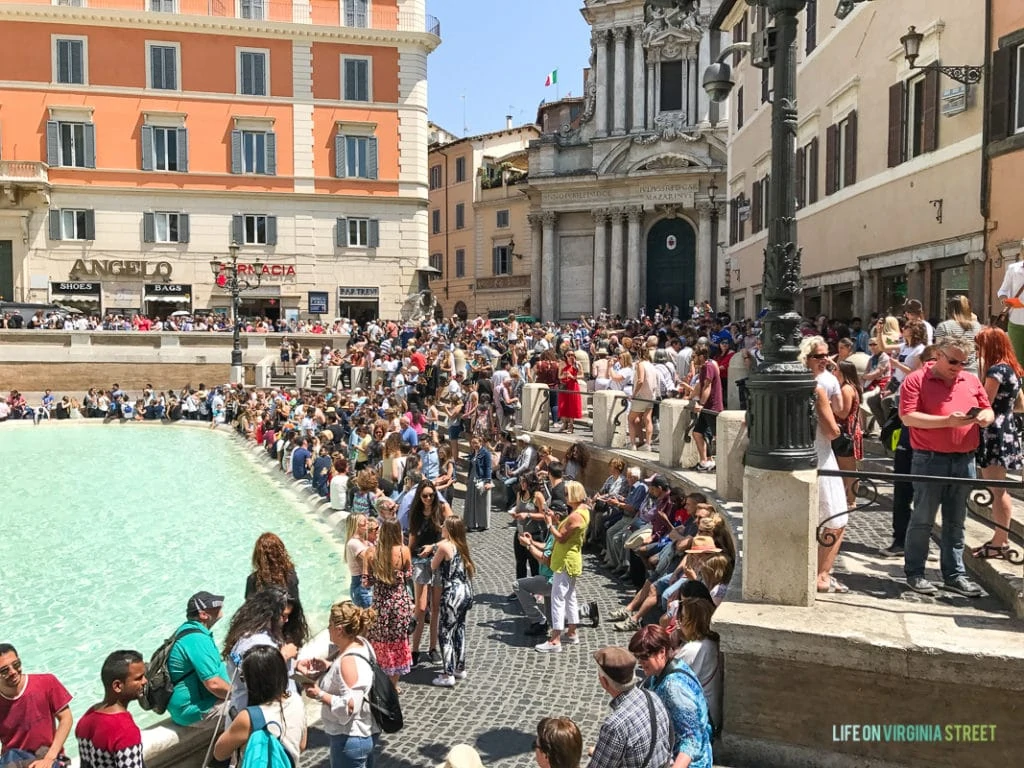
{"points": [[658, 480], [203, 601], [617, 663]]}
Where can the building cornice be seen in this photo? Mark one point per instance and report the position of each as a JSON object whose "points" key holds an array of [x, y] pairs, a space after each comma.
{"points": [[215, 25]]}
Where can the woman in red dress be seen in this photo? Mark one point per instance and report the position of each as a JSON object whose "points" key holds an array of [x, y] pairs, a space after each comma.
{"points": [[570, 404]]}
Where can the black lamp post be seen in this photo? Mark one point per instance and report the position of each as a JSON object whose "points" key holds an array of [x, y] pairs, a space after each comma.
{"points": [[780, 418], [227, 277]]}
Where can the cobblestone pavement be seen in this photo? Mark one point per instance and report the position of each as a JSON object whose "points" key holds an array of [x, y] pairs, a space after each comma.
{"points": [[510, 685]]}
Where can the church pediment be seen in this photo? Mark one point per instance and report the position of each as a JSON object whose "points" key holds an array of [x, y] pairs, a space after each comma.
{"points": [[672, 160], [673, 33]]}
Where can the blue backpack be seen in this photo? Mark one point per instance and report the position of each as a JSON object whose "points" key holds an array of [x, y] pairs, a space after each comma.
{"points": [[264, 748]]}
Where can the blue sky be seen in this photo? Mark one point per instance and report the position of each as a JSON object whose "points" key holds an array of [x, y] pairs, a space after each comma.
{"points": [[497, 53]]}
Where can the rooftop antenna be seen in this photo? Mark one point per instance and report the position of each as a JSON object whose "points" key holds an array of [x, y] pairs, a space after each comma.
{"points": [[465, 125]]}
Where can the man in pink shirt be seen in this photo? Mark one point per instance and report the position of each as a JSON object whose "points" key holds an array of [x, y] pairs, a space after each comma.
{"points": [[944, 406]]}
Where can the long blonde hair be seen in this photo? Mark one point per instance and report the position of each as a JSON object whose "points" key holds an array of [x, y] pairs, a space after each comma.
{"points": [[390, 536], [352, 526], [959, 309], [456, 529]]}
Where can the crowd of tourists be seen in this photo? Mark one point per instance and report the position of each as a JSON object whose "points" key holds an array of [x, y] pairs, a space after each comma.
{"points": [[62, 319], [437, 423]]}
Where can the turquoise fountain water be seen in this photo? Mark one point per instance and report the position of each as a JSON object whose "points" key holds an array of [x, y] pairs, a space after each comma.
{"points": [[105, 532]]}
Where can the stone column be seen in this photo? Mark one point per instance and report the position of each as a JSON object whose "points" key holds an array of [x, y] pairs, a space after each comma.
{"points": [[617, 273], [868, 294], [703, 102], [549, 302], [600, 261], [731, 442], [650, 94], [915, 281], [639, 84], [609, 405], [619, 95], [534, 220], [600, 40], [675, 423], [633, 271], [705, 255], [536, 413]]}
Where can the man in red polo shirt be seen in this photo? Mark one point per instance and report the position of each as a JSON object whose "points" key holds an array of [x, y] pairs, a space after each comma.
{"points": [[944, 406]]}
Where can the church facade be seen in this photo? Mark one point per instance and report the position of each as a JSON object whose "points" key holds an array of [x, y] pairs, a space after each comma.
{"points": [[625, 208]]}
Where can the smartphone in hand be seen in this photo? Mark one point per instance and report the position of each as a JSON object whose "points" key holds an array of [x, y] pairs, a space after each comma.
{"points": [[973, 412]]}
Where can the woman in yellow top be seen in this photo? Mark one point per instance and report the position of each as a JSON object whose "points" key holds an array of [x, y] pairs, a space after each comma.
{"points": [[567, 565]]}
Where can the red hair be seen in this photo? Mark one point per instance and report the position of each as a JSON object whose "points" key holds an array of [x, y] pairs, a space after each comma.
{"points": [[994, 347]]}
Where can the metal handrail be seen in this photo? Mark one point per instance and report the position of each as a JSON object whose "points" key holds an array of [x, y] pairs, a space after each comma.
{"points": [[868, 490]]}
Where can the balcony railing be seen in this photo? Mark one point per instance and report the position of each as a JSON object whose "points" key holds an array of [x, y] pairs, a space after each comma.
{"points": [[23, 171], [331, 13]]}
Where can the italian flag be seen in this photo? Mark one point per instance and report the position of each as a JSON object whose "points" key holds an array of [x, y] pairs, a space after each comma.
{"points": [[551, 79]]}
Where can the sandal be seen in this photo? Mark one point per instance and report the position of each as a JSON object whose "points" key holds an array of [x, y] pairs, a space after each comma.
{"points": [[834, 586], [989, 551]]}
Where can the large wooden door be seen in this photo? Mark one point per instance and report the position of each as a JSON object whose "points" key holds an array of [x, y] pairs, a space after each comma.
{"points": [[6, 270], [671, 265]]}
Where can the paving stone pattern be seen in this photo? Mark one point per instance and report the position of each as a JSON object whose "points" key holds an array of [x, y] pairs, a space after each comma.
{"points": [[510, 685]]}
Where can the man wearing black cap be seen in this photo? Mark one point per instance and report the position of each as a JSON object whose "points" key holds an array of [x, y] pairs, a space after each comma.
{"points": [[637, 733], [195, 665]]}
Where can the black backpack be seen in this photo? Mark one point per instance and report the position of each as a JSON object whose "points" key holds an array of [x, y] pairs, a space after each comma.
{"points": [[156, 694], [385, 705]]}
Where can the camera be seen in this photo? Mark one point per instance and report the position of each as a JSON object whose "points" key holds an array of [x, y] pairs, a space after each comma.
{"points": [[718, 81]]}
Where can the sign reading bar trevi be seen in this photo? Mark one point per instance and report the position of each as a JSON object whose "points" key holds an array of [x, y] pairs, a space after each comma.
{"points": [[120, 268], [681, 193]]}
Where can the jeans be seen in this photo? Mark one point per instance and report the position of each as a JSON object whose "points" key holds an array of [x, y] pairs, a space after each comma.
{"points": [[928, 497], [352, 751], [361, 596], [527, 589], [524, 562], [902, 493]]}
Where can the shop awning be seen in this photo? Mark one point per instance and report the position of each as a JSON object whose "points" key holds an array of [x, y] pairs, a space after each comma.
{"points": [[169, 298], [87, 297]]}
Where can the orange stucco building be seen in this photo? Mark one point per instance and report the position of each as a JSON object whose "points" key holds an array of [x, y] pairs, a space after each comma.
{"points": [[140, 138]]}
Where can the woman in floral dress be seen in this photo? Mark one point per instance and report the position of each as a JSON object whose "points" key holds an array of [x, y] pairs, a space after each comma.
{"points": [[1000, 447], [392, 570]]}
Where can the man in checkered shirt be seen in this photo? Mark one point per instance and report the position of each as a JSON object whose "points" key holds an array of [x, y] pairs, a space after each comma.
{"points": [[637, 734], [107, 734]]}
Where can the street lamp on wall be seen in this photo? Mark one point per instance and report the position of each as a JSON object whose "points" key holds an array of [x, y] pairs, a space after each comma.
{"points": [[966, 74]]}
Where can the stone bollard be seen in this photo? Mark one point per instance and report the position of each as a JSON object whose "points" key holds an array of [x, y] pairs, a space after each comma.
{"points": [[359, 377], [536, 411], [732, 443], [736, 373], [780, 552], [673, 422], [263, 375], [376, 377], [333, 376], [608, 404], [303, 376]]}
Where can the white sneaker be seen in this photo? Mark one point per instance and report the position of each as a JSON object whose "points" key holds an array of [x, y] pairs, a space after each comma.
{"points": [[460, 675], [444, 681], [549, 647], [571, 639]]}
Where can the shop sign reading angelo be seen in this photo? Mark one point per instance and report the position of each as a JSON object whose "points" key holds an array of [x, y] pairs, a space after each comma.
{"points": [[120, 268]]}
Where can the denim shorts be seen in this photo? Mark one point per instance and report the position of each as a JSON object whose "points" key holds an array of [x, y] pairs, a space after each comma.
{"points": [[361, 596], [422, 572]]}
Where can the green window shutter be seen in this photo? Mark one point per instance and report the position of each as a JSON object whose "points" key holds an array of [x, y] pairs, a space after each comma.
{"points": [[373, 227], [147, 148], [183, 228], [238, 229], [90, 225], [271, 230], [236, 151], [341, 233], [271, 153], [183, 150], [371, 157], [148, 228], [55, 233], [340, 155], [52, 143]]}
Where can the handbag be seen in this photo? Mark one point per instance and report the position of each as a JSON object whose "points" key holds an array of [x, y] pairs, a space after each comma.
{"points": [[842, 445], [1003, 319]]}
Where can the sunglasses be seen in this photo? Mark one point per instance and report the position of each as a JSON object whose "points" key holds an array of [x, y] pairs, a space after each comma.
{"points": [[955, 361], [426, 495], [820, 356], [10, 669]]}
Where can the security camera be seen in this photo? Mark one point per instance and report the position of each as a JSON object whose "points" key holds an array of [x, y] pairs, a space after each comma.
{"points": [[718, 81]]}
